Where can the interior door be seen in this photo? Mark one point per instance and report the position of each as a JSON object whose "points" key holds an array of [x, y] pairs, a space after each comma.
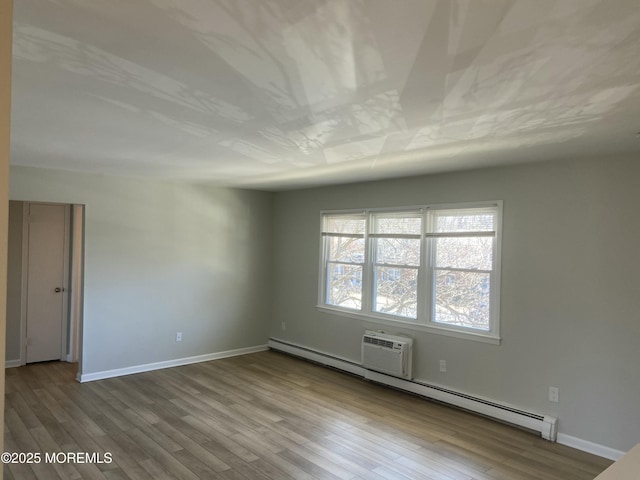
{"points": [[46, 282]]}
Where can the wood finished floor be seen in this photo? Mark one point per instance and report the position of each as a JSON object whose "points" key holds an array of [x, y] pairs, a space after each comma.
{"points": [[263, 416]]}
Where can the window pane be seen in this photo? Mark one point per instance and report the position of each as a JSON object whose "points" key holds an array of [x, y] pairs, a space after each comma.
{"points": [[346, 249], [352, 224], [396, 291], [402, 225], [465, 252], [399, 251], [344, 285], [462, 298], [465, 221]]}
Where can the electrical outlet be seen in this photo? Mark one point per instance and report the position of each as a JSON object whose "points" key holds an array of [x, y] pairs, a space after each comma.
{"points": [[554, 394], [443, 366], [178, 336], [283, 326]]}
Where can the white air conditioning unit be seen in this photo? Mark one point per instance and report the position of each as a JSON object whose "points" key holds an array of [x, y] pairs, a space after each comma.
{"points": [[390, 354]]}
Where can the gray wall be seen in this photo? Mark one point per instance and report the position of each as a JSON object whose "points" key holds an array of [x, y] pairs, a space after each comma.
{"points": [[570, 298], [14, 281], [164, 257]]}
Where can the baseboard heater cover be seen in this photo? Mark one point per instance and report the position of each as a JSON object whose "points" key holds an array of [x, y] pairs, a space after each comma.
{"points": [[546, 425]]}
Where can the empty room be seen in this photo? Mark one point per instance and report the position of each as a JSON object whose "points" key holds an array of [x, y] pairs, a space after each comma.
{"points": [[319, 239]]}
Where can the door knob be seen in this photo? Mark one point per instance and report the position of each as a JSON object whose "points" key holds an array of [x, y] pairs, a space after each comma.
{"points": [[58, 290]]}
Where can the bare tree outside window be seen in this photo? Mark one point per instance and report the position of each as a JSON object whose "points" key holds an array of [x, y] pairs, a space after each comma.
{"points": [[344, 242], [397, 259], [463, 264], [428, 266]]}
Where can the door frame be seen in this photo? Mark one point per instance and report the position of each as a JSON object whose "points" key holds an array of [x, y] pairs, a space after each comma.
{"points": [[76, 278], [73, 267]]}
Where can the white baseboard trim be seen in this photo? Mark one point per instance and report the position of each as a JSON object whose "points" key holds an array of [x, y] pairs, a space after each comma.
{"points": [[12, 363], [147, 367], [589, 447], [317, 356], [547, 426]]}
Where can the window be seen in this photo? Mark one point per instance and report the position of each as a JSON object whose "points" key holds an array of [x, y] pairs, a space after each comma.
{"points": [[463, 245], [396, 260], [430, 267], [344, 259]]}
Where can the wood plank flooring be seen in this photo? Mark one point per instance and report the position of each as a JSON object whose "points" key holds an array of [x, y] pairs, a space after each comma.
{"points": [[262, 416]]}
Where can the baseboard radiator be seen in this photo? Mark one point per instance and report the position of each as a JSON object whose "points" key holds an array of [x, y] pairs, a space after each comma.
{"points": [[547, 426]]}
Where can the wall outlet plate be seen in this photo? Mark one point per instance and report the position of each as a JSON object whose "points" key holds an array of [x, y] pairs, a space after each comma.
{"points": [[443, 366], [554, 394], [178, 336]]}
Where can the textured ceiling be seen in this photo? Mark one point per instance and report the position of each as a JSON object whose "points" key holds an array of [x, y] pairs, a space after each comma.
{"points": [[285, 93]]}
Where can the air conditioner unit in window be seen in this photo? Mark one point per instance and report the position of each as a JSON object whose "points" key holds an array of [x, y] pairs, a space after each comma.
{"points": [[390, 354]]}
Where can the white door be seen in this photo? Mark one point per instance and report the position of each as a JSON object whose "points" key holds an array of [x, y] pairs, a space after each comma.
{"points": [[46, 282]]}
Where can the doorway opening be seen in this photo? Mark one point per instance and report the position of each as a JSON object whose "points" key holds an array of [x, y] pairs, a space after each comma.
{"points": [[45, 282]]}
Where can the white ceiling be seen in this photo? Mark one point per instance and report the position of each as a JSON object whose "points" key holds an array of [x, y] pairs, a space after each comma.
{"points": [[279, 94]]}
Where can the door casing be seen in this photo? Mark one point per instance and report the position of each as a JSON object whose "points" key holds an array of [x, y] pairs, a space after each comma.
{"points": [[64, 354]]}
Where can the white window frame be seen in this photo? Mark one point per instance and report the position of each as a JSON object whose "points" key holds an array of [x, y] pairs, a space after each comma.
{"points": [[426, 288]]}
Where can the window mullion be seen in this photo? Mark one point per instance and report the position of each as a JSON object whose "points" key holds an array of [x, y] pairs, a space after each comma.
{"points": [[422, 282], [494, 298], [342, 235], [396, 265], [340, 262], [367, 270], [395, 235], [427, 263], [454, 269], [325, 269], [462, 234]]}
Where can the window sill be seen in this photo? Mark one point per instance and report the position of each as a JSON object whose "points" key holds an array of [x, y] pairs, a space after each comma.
{"points": [[478, 337]]}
